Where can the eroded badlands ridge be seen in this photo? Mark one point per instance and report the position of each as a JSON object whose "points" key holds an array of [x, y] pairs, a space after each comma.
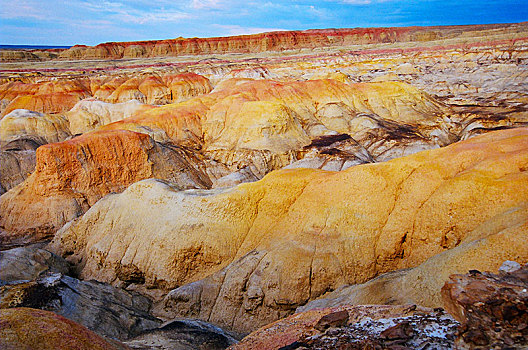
{"points": [[331, 227], [249, 126], [240, 188], [272, 41]]}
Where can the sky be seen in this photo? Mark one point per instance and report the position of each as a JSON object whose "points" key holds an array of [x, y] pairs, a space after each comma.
{"points": [[90, 22]]}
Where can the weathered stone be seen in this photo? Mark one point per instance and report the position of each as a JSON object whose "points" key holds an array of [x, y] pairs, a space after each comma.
{"points": [[493, 309], [100, 307], [270, 246], [368, 327], [184, 334], [27, 263]]}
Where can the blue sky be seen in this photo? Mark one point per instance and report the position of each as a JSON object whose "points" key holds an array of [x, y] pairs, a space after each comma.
{"points": [[55, 22]]}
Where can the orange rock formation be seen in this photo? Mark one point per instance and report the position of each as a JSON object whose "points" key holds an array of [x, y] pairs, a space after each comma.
{"points": [[72, 175], [60, 95], [374, 155]]}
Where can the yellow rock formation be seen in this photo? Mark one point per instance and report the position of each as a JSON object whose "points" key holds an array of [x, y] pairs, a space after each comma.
{"points": [[43, 128], [90, 113], [331, 228], [501, 238]]}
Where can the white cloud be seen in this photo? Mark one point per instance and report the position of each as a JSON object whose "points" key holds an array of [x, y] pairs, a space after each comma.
{"points": [[240, 30], [358, 2], [206, 4], [127, 14], [28, 9]]}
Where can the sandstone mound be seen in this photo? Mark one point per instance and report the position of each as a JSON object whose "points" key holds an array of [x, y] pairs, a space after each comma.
{"points": [[255, 252], [157, 89], [25, 124], [500, 239], [24, 328], [90, 114], [72, 175]]}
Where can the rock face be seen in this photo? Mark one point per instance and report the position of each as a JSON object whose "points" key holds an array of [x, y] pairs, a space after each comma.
{"points": [[17, 164], [24, 328], [87, 115], [183, 334], [72, 175], [274, 41], [503, 238], [357, 327], [102, 308], [21, 133], [230, 245], [39, 127], [492, 308], [27, 263]]}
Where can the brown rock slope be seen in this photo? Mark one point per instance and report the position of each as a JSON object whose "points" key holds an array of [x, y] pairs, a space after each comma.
{"points": [[355, 328], [24, 328], [255, 252], [492, 308], [72, 175]]}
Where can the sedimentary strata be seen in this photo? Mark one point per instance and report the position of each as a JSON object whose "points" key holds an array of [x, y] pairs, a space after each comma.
{"points": [[278, 41]]}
